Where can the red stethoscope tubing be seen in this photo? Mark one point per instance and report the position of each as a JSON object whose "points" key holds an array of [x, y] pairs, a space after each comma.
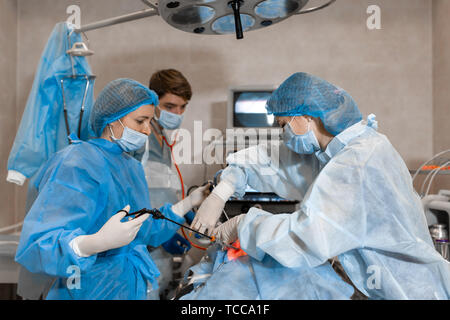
{"points": [[182, 185]]}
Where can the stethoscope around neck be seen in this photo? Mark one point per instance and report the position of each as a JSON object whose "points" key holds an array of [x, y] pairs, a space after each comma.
{"points": [[171, 145], [183, 194]]}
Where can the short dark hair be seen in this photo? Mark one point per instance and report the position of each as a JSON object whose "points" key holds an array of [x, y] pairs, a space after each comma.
{"points": [[170, 81]]}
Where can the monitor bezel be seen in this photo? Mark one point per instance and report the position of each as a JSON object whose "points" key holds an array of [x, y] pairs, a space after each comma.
{"points": [[245, 88]]}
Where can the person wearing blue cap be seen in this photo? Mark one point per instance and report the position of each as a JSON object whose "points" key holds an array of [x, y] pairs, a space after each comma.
{"points": [[76, 230], [358, 203]]}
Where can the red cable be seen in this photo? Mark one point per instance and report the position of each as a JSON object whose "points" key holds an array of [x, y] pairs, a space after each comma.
{"points": [[182, 186]]}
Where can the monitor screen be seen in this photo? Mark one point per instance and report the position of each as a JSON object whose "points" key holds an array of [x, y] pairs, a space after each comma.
{"points": [[249, 110]]}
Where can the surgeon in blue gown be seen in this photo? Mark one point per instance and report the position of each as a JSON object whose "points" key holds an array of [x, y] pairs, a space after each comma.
{"points": [[76, 230], [43, 131], [358, 201]]}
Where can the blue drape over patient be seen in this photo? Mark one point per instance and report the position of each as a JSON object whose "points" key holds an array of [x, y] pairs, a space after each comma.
{"points": [[245, 278]]}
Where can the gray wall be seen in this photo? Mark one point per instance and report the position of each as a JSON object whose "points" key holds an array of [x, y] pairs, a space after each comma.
{"points": [[389, 72], [441, 75], [441, 83], [9, 111]]}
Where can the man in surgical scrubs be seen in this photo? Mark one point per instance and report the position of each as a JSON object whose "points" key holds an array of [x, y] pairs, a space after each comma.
{"points": [[163, 178], [358, 201], [174, 93]]}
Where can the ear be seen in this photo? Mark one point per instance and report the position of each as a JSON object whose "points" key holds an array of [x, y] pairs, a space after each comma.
{"points": [[116, 128], [110, 126], [317, 122]]}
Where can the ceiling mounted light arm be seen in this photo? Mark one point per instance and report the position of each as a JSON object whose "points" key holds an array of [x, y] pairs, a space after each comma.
{"points": [[151, 5], [116, 20], [316, 8]]}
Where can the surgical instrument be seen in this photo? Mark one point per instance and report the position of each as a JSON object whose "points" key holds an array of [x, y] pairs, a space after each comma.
{"points": [[156, 214]]}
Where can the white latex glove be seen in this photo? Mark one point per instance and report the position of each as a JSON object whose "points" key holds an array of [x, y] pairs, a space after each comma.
{"points": [[209, 212], [113, 234], [228, 232], [199, 195], [194, 199]]}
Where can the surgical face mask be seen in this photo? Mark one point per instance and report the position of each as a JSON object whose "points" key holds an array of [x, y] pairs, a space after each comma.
{"points": [[300, 143], [131, 140], [169, 120]]}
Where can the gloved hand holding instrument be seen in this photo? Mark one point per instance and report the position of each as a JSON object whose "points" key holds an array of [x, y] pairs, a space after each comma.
{"points": [[209, 212], [156, 214], [184, 207], [114, 234], [193, 200], [227, 232]]}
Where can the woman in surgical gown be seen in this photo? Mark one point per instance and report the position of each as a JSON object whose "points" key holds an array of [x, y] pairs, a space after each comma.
{"points": [[74, 232], [358, 202]]}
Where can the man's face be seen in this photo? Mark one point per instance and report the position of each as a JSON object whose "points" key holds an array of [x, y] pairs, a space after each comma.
{"points": [[172, 103]]}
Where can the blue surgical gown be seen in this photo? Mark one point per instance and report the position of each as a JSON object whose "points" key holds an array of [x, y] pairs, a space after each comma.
{"points": [[42, 130], [358, 203], [80, 188]]}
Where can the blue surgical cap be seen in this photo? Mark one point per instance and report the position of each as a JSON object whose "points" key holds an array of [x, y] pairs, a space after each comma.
{"points": [[116, 100], [304, 94]]}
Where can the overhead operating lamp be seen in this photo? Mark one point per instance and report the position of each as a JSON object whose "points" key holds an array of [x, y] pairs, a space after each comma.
{"points": [[225, 16], [216, 17]]}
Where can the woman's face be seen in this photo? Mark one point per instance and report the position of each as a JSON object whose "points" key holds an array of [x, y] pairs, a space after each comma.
{"points": [[138, 120], [299, 124]]}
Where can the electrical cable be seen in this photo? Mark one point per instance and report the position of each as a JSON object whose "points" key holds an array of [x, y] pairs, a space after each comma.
{"points": [[9, 242], [11, 227], [428, 161], [434, 174], [422, 188]]}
